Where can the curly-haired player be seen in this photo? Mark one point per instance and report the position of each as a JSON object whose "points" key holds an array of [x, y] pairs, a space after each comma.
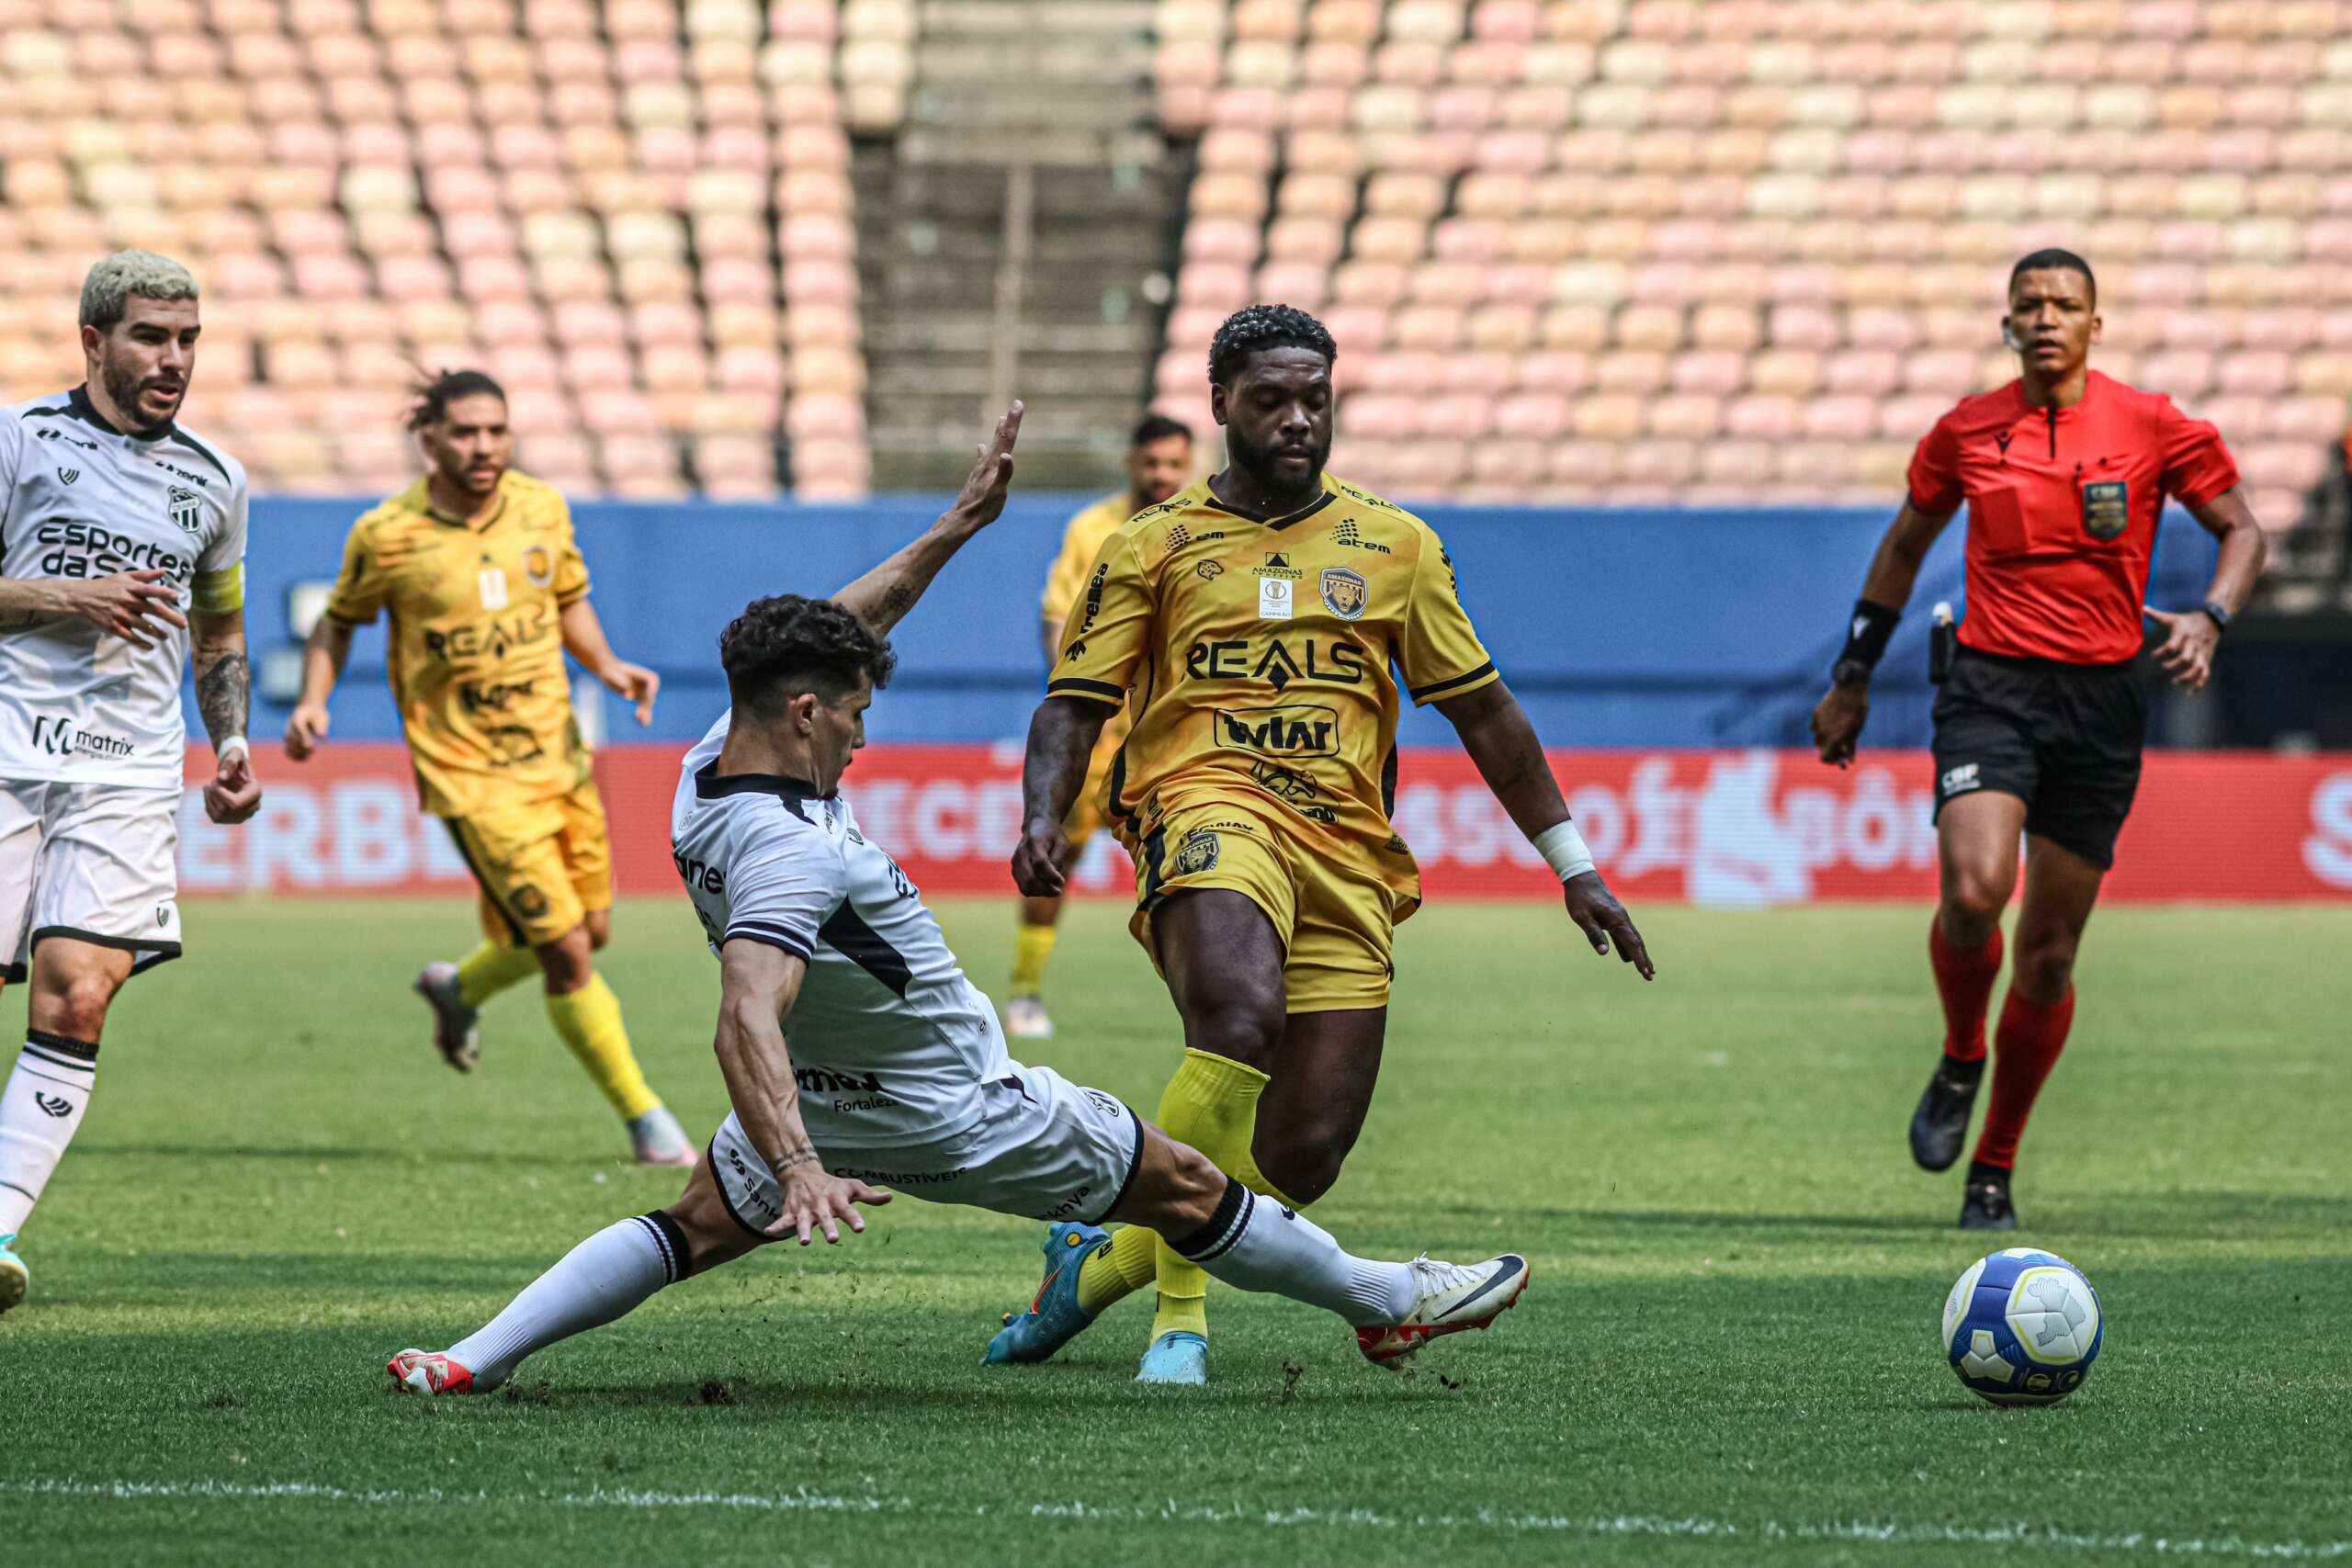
{"points": [[487, 592], [1261, 627], [896, 1074]]}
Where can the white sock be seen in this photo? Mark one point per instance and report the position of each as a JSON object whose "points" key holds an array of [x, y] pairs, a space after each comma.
{"points": [[607, 1276], [39, 1112], [1257, 1244]]}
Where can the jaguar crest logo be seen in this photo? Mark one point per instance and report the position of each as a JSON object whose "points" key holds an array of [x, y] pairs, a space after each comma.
{"points": [[1345, 592], [1198, 853]]}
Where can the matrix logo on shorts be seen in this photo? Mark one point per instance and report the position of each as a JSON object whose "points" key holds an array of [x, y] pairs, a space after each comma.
{"points": [[1960, 780], [1280, 732]]}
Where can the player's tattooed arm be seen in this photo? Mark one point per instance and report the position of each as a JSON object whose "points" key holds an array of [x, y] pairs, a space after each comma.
{"points": [[1061, 739], [758, 985], [223, 695], [883, 596]]}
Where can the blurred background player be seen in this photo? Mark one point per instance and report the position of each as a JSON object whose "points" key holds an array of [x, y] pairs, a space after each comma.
{"points": [[488, 590], [1271, 616], [116, 519], [1160, 463], [2041, 721]]}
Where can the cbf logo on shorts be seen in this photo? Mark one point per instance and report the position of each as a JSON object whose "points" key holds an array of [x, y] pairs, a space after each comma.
{"points": [[1960, 780], [2107, 508]]}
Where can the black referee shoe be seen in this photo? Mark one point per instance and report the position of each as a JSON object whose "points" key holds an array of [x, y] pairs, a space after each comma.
{"points": [[1941, 1124], [1985, 1204]]}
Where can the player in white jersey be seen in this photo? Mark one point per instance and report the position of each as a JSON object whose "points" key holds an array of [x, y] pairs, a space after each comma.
{"points": [[897, 1076], [114, 518]]}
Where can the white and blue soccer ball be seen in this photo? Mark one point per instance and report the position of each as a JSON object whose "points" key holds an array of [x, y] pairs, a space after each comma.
{"points": [[2022, 1327]]}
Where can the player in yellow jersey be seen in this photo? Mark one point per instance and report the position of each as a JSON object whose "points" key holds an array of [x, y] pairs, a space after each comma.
{"points": [[1252, 623], [487, 592], [1159, 460]]}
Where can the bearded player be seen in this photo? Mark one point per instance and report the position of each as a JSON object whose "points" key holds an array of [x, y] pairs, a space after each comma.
{"points": [[486, 590], [122, 566], [2040, 722], [1252, 623], [894, 1072], [1160, 461]]}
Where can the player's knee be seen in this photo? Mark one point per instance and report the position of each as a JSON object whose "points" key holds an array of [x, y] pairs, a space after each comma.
{"points": [[1307, 1164], [78, 1003], [1973, 898], [566, 961], [600, 929], [1185, 1191], [1239, 1028]]}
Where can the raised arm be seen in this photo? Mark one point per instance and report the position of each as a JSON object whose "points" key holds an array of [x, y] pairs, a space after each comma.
{"points": [[1495, 732], [224, 696], [1061, 738], [882, 597], [1839, 718], [2187, 652], [758, 985]]}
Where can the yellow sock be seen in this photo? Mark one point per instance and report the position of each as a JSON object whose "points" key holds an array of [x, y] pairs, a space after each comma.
{"points": [[1031, 945], [1118, 1270], [489, 969], [1212, 1104], [590, 1022]]}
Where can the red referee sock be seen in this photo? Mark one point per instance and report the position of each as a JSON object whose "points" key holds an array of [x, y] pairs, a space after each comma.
{"points": [[2026, 1048], [1965, 980]]}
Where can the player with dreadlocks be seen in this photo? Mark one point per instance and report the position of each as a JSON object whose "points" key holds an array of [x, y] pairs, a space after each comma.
{"points": [[1259, 626], [487, 592]]}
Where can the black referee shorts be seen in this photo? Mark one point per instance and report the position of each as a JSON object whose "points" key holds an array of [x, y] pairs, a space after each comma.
{"points": [[2064, 738]]}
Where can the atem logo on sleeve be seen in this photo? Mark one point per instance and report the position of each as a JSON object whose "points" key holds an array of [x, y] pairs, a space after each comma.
{"points": [[1280, 732]]}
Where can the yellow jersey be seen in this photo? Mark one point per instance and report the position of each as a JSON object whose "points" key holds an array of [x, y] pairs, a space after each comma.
{"points": [[1261, 661], [476, 653], [1082, 542]]}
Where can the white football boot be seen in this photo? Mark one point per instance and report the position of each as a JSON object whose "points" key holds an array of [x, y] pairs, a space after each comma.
{"points": [[15, 1278], [1025, 1017], [455, 1032], [430, 1372], [1451, 1297], [656, 1139]]}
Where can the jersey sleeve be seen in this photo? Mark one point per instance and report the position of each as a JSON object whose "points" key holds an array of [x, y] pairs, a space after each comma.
{"points": [[1104, 635], [783, 896], [1935, 470], [2196, 465], [571, 566], [1441, 654], [1068, 576], [219, 585], [359, 589], [12, 453]]}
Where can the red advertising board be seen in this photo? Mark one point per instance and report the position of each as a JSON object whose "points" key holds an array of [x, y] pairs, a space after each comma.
{"points": [[1738, 828]]}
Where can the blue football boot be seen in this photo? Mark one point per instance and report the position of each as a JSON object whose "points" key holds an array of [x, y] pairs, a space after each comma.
{"points": [[12, 1275], [1054, 1319], [1178, 1357]]}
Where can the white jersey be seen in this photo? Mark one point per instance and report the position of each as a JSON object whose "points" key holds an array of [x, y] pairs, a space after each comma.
{"points": [[890, 1043], [79, 499]]}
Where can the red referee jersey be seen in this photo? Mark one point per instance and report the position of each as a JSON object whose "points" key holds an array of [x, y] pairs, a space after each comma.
{"points": [[2061, 512]]}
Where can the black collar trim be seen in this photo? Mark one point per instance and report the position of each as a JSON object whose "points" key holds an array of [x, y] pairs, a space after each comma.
{"points": [[712, 785], [78, 404], [1276, 524]]}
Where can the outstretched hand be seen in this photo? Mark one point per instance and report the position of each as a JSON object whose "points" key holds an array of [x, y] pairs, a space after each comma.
{"points": [[633, 683], [981, 501], [1603, 919], [2187, 652], [815, 1199], [1037, 861]]}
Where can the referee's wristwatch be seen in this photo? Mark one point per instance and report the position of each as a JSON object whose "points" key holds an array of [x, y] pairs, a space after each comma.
{"points": [[2217, 615]]}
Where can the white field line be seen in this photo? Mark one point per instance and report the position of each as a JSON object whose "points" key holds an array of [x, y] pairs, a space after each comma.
{"points": [[1860, 1531]]}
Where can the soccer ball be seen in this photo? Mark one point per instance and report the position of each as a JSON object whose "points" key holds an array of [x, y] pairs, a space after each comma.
{"points": [[2022, 1327]]}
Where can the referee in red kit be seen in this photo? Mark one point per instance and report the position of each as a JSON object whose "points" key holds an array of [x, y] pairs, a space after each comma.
{"points": [[2041, 718]]}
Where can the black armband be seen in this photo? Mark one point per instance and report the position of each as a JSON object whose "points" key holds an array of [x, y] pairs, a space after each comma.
{"points": [[1866, 639]]}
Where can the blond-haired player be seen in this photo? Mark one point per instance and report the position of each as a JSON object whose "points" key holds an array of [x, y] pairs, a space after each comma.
{"points": [[1159, 462], [487, 592]]}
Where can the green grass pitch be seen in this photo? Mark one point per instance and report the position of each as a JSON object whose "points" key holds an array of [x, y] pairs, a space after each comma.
{"points": [[1729, 1351]]}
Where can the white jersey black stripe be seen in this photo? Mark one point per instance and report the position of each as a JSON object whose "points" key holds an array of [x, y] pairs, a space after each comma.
{"points": [[80, 499], [891, 1044]]}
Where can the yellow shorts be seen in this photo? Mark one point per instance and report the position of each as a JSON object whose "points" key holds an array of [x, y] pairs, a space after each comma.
{"points": [[543, 866], [1337, 924]]}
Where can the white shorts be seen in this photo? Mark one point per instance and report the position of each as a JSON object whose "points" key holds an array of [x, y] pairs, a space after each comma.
{"points": [[1045, 1149], [90, 862]]}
